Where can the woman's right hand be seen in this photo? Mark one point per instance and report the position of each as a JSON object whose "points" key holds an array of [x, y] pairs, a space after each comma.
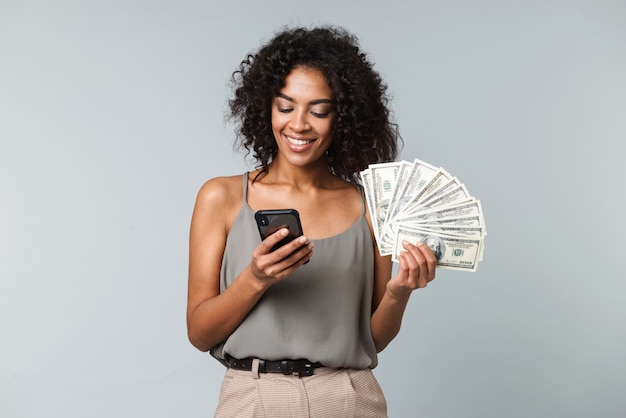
{"points": [[271, 267]]}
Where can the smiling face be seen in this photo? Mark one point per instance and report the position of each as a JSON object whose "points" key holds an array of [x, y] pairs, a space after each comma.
{"points": [[302, 117]]}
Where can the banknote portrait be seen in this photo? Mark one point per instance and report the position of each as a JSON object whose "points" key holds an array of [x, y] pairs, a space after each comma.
{"points": [[381, 209], [436, 245]]}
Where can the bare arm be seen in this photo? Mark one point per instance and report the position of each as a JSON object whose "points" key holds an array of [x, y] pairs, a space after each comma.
{"points": [[211, 316], [417, 269]]}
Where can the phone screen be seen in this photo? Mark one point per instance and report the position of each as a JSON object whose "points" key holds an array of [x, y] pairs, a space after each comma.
{"points": [[270, 221]]}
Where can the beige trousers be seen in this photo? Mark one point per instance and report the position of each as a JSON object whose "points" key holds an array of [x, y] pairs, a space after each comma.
{"points": [[328, 393]]}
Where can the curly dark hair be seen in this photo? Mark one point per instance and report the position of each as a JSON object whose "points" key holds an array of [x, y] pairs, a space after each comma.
{"points": [[363, 132]]}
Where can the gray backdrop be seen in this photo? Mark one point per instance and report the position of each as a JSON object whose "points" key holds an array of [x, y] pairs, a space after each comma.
{"points": [[111, 117]]}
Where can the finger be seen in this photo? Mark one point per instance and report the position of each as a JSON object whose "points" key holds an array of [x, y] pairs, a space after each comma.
{"points": [[297, 259], [291, 248], [296, 252], [407, 262], [411, 269], [421, 271], [262, 254], [431, 260], [285, 266], [285, 256], [268, 243], [407, 279]]}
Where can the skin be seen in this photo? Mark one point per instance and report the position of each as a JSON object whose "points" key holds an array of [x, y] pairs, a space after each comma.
{"points": [[302, 118]]}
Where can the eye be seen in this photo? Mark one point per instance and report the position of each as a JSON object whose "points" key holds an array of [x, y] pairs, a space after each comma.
{"points": [[320, 115], [284, 109]]}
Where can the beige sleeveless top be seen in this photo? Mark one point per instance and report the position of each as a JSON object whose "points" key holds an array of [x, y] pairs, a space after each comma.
{"points": [[321, 312]]}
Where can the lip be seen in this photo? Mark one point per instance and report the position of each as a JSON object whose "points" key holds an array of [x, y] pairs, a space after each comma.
{"points": [[298, 144]]}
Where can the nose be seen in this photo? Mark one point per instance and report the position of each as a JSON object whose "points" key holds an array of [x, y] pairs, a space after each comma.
{"points": [[299, 121]]}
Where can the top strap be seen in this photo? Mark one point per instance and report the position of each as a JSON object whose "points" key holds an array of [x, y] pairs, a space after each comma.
{"points": [[245, 188]]}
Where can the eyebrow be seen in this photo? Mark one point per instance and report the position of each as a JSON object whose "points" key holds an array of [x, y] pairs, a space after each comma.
{"points": [[312, 102]]}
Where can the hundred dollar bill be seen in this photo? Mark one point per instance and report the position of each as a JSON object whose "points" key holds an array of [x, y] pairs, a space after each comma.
{"points": [[471, 207], [419, 174], [452, 253], [467, 221], [477, 232], [403, 177], [444, 188], [405, 172], [384, 178], [438, 178], [458, 194]]}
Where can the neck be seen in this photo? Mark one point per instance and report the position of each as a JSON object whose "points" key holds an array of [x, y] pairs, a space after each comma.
{"points": [[300, 177]]}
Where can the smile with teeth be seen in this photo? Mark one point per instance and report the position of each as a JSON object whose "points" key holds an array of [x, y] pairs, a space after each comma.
{"points": [[298, 142]]}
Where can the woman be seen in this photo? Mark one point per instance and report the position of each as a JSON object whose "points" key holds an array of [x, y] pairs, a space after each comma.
{"points": [[299, 328]]}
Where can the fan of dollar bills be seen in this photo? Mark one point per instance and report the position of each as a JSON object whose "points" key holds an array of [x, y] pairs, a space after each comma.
{"points": [[415, 201]]}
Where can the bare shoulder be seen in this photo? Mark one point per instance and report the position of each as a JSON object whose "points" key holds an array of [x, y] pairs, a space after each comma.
{"points": [[220, 197], [221, 189]]}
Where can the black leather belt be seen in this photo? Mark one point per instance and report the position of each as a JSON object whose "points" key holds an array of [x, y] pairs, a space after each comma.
{"points": [[286, 367]]}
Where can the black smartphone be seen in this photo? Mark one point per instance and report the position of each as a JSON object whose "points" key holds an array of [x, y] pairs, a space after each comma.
{"points": [[271, 220]]}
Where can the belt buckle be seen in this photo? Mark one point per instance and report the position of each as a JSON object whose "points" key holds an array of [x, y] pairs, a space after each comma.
{"points": [[296, 368]]}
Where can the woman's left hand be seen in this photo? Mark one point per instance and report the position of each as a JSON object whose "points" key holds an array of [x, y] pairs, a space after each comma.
{"points": [[417, 269]]}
